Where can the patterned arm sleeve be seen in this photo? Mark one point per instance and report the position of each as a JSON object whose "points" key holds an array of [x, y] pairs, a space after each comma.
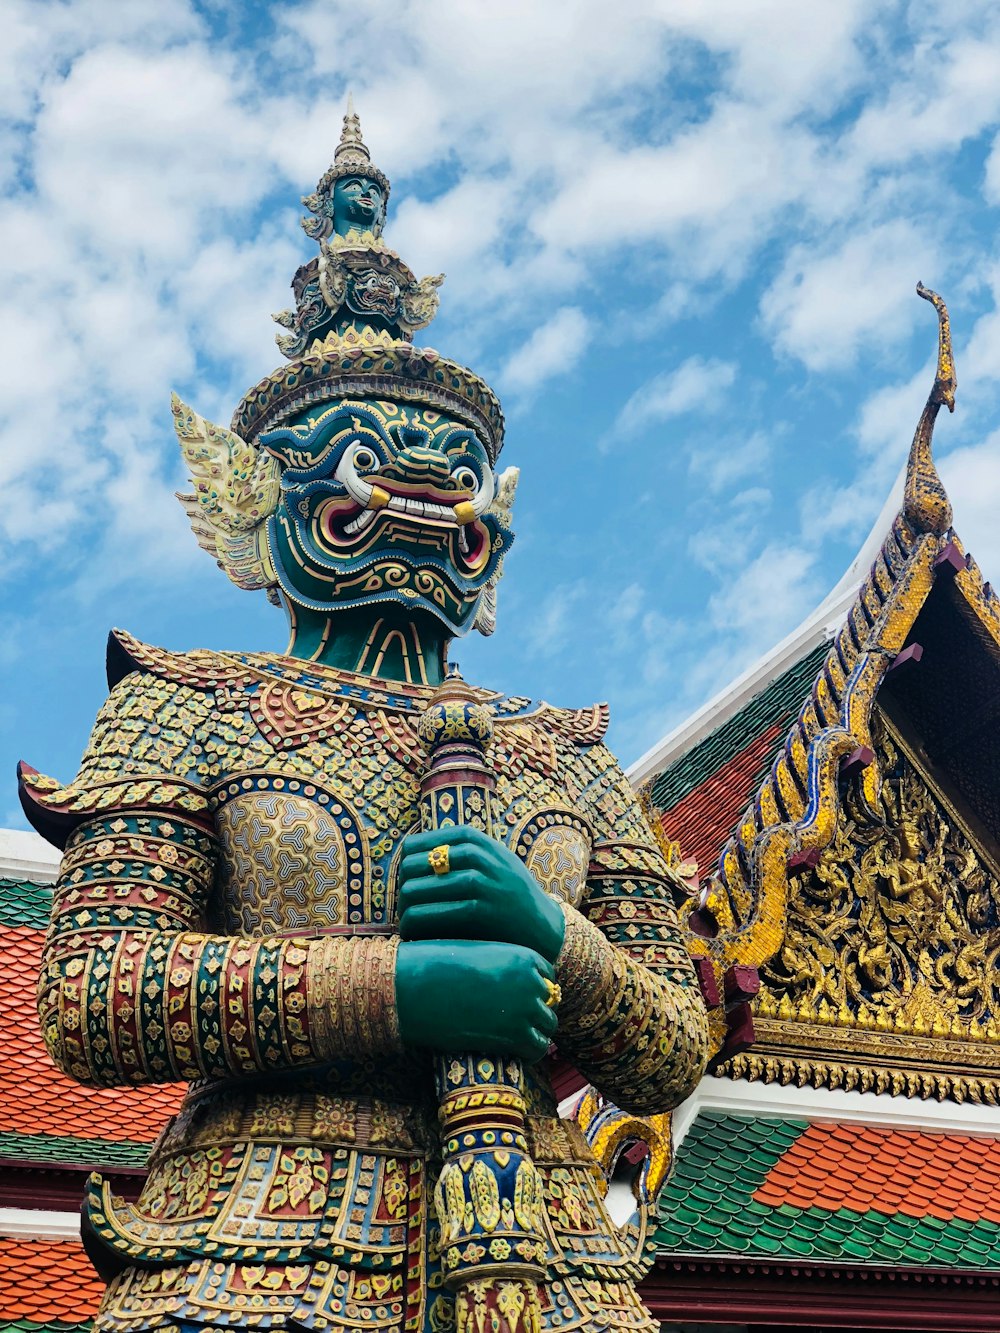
{"points": [[134, 987], [133, 991], [632, 1017]]}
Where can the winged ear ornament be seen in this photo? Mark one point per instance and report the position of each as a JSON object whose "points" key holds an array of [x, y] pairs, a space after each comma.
{"points": [[236, 490], [502, 509]]}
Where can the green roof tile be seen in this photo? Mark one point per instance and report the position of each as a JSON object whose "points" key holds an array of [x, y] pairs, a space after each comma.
{"points": [[52, 1326], [25, 904], [707, 1207], [53, 1148], [777, 704]]}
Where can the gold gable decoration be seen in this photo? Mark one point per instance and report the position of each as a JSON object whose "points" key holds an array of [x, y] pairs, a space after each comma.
{"points": [[888, 976]]}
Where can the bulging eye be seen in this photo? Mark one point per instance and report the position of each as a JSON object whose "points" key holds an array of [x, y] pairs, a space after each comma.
{"points": [[466, 479], [364, 459]]}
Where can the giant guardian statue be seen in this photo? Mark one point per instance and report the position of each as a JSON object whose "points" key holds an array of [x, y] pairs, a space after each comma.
{"points": [[353, 901]]}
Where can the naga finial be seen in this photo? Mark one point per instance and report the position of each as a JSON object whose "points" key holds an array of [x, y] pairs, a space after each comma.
{"points": [[925, 501], [945, 382]]}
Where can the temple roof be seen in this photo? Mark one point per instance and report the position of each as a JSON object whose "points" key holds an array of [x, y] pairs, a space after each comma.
{"points": [[702, 794], [47, 1117], [800, 789], [789, 1189], [53, 1132], [46, 1286]]}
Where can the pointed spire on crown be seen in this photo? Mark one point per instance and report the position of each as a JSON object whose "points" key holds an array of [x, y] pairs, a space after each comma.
{"points": [[350, 136], [352, 158]]}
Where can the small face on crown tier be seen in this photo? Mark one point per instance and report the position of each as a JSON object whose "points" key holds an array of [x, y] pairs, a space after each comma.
{"points": [[358, 204], [382, 502]]}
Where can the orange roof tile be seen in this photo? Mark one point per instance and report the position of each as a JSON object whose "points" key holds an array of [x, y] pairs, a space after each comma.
{"points": [[46, 1280], [36, 1097], [918, 1174], [703, 819]]}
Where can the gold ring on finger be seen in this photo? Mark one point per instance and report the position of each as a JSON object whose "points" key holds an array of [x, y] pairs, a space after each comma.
{"points": [[553, 993], [437, 859]]}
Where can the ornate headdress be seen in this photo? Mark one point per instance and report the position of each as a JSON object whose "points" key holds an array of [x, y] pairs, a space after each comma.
{"points": [[352, 158], [357, 307]]}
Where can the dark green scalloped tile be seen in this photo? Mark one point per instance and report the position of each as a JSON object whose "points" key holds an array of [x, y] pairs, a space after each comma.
{"points": [[777, 704], [708, 1208], [916, 1253], [58, 1148], [25, 904], [767, 1244], [856, 1248], [53, 1326]]}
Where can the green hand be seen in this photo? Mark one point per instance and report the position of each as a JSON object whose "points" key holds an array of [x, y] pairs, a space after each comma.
{"points": [[461, 995], [487, 894]]}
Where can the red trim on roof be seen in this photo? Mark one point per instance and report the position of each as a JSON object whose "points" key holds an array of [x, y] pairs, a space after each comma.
{"points": [[704, 819], [804, 1296]]}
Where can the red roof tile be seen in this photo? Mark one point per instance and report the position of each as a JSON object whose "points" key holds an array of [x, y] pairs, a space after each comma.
{"points": [[890, 1171], [46, 1280], [36, 1097], [702, 820]]}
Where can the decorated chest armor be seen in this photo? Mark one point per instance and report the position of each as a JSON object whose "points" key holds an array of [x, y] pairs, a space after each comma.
{"points": [[227, 912]]}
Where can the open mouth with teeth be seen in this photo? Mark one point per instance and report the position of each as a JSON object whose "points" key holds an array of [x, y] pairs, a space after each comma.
{"points": [[343, 527]]}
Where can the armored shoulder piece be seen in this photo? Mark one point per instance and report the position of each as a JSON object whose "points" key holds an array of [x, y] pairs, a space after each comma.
{"points": [[583, 726], [145, 751], [198, 670]]}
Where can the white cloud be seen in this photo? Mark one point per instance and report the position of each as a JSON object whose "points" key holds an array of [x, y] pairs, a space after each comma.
{"points": [[696, 385], [889, 416], [825, 308], [145, 149], [553, 349], [564, 173], [945, 92], [727, 461], [972, 478], [552, 623], [768, 597]]}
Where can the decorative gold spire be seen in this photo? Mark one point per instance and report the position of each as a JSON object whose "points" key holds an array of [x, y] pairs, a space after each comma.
{"points": [[925, 503]]}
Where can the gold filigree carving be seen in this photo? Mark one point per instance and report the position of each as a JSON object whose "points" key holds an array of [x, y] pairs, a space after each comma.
{"points": [[887, 978]]}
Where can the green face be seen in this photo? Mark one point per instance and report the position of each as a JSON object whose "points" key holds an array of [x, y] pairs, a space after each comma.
{"points": [[382, 503], [358, 204]]}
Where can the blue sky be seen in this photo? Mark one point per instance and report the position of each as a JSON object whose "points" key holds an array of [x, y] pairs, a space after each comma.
{"points": [[681, 240]]}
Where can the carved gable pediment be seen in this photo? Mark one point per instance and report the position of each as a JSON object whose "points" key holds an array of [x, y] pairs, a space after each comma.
{"points": [[888, 975]]}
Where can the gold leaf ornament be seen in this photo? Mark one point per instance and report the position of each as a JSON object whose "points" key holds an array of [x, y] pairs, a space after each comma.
{"points": [[236, 490]]}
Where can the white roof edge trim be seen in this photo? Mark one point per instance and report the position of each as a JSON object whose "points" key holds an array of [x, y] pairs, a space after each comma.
{"points": [[39, 1224], [26, 855], [821, 624], [834, 1105]]}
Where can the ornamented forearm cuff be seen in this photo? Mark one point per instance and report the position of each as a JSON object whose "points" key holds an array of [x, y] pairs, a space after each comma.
{"points": [[352, 996], [639, 1036], [585, 968]]}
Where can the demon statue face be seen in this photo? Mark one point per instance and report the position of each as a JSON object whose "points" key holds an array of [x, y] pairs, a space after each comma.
{"points": [[382, 503], [362, 473], [362, 503]]}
